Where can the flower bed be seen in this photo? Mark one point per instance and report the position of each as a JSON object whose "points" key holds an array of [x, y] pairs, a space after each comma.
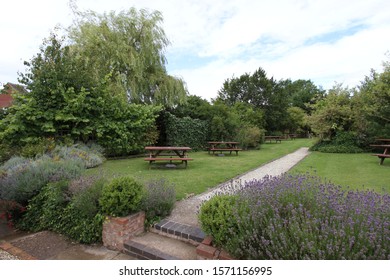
{"points": [[300, 217]]}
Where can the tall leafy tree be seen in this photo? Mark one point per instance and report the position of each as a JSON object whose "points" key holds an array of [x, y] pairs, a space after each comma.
{"points": [[374, 97], [303, 93], [63, 100], [333, 114], [263, 93], [130, 45]]}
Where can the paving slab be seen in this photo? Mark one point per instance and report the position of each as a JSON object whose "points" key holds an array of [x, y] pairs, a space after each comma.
{"points": [[168, 246]]}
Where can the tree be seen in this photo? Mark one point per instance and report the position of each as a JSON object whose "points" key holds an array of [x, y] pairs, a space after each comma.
{"points": [[303, 93], [63, 101], [263, 93], [296, 119], [130, 45], [194, 107], [333, 113], [374, 97]]}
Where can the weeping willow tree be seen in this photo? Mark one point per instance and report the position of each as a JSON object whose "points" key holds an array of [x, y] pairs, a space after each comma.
{"points": [[129, 46]]}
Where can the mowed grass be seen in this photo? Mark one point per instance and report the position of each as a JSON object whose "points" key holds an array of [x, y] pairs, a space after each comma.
{"points": [[205, 171], [357, 171]]}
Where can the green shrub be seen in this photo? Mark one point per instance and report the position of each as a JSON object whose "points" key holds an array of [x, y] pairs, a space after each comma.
{"points": [[121, 197], [217, 217], [45, 210], [249, 137], [6, 151], [158, 200], [37, 147], [54, 208], [343, 142], [86, 201]]}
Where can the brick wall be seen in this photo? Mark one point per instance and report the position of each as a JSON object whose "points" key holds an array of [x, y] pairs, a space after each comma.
{"points": [[206, 251], [117, 230]]}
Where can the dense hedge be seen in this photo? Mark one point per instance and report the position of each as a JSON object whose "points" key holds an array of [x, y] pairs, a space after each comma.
{"points": [[343, 142], [186, 131]]}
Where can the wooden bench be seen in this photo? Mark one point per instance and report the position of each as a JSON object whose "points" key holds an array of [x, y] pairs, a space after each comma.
{"points": [[270, 138], [170, 159], [385, 154], [382, 157], [225, 150]]}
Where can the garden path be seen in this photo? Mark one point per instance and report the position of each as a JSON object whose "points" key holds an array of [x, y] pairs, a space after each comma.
{"points": [[185, 211]]}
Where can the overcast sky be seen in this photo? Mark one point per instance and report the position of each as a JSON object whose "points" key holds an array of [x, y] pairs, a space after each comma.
{"points": [[325, 41]]}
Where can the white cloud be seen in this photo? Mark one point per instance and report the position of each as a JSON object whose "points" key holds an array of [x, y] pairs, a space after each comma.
{"points": [[301, 39]]}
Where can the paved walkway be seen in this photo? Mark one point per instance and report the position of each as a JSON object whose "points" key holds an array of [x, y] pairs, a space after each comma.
{"points": [[185, 211]]}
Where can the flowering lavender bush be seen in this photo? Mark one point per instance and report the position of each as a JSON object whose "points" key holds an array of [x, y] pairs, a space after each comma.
{"points": [[89, 156], [302, 217], [21, 179]]}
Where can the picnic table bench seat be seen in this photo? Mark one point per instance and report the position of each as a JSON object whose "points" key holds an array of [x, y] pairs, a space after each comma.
{"points": [[273, 138], [170, 159], [167, 159], [382, 157], [223, 146]]}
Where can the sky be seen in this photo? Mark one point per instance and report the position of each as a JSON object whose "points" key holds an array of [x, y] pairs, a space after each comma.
{"points": [[325, 41]]}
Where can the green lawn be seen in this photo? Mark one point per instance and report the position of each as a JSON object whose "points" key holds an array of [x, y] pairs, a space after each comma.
{"points": [[358, 171], [205, 171]]}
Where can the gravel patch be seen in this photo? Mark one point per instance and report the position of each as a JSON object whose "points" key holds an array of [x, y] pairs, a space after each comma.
{"points": [[6, 256]]}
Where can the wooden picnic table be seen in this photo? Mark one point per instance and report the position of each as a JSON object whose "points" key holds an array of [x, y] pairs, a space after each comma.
{"points": [[385, 154], [222, 146], [273, 137], [166, 153]]}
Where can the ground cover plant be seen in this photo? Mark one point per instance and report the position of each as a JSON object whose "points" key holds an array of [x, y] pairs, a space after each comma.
{"points": [[300, 217]]}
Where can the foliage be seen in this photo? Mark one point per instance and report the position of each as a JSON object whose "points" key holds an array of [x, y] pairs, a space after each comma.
{"points": [[216, 218], [333, 113], [64, 102], [194, 107], [343, 142], [296, 120], [45, 209], [127, 128], [374, 98], [159, 199], [121, 197], [269, 96], [224, 123], [302, 217], [303, 94], [77, 217], [249, 136], [10, 211], [130, 45], [186, 131], [22, 179], [89, 157]]}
